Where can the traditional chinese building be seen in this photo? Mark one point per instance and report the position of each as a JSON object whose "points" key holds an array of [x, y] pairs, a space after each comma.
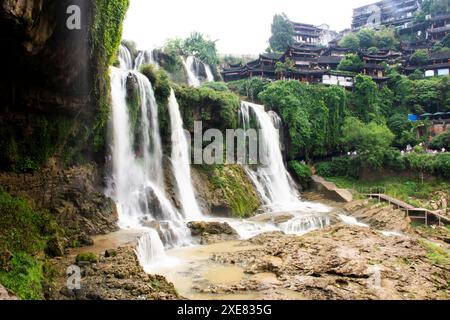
{"points": [[397, 13], [313, 35]]}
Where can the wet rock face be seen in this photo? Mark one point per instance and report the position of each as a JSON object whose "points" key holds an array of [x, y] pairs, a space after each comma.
{"points": [[118, 276], [74, 196], [37, 45], [212, 232]]}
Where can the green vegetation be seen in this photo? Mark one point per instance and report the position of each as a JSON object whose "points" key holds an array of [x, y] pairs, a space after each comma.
{"points": [[31, 141], [249, 88], [282, 33], [313, 116], [218, 86], [86, 257], [302, 173], [441, 141], [435, 253], [366, 39], [24, 277], [351, 63], [171, 54], [412, 191], [106, 34], [216, 109], [371, 141], [236, 187], [420, 57], [23, 235], [282, 69]]}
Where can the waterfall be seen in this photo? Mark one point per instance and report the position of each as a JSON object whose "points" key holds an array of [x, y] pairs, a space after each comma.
{"points": [[194, 72], [137, 179], [150, 249], [271, 179], [125, 60], [143, 58], [181, 162]]}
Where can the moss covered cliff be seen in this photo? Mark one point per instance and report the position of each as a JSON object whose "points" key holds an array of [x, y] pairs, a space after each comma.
{"points": [[54, 105]]}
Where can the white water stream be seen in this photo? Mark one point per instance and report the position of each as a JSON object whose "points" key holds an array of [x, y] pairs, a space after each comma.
{"points": [[193, 69], [137, 178]]}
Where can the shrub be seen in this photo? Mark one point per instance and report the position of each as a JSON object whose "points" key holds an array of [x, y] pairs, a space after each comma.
{"points": [[218, 86], [24, 278], [339, 167], [302, 173], [86, 257], [441, 141]]}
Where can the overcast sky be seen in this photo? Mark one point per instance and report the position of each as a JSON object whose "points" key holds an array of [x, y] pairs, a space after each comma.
{"points": [[240, 26]]}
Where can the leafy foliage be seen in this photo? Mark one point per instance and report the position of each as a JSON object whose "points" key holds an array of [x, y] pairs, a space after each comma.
{"points": [[366, 38], [302, 172], [249, 88], [312, 114], [420, 57], [351, 63], [282, 33], [370, 141], [216, 109], [441, 141]]}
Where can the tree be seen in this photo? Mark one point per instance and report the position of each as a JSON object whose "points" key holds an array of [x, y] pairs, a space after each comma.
{"points": [[283, 68], [385, 38], [350, 41], [371, 141], [351, 63], [420, 57], [366, 38], [365, 98], [201, 47], [282, 33], [446, 41]]}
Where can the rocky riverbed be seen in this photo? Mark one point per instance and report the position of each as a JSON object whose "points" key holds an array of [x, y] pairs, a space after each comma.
{"points": [[378, 255]]}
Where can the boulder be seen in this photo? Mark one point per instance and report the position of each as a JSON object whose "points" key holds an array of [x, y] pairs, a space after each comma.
{"points": [[210, 228], [55, 247], [276, 218], [331, 191]]}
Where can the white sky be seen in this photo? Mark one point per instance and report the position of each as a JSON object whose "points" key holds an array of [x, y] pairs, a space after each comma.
{"points": [[241, 26]]}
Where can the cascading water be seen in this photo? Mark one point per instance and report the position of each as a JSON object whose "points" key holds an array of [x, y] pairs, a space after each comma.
{"points": [[193, 69], [137, 183], [143, 58], [180, 162], [125, 61], [271, 179]]}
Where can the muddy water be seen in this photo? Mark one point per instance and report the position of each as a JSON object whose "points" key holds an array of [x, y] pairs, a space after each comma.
{"points": [[193, 269]]}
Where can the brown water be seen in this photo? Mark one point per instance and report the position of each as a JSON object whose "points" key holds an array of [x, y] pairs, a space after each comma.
{"points": [[194, 268]]}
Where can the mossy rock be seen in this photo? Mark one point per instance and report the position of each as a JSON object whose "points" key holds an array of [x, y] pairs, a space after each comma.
{"points": [[86, 257], [110, 253]]}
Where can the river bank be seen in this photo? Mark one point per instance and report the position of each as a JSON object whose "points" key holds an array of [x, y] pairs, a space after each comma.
{"points": [[378, 256]]}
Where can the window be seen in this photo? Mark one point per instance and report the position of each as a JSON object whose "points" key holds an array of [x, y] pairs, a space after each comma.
{"points": [[443, 72], [429, 73]]}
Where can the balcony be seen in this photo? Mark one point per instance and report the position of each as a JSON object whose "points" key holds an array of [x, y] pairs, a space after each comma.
{"points": [[440, 29]]}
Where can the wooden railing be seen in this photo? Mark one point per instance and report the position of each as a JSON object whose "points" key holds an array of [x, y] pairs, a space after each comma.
{"points": [[417, 214]]}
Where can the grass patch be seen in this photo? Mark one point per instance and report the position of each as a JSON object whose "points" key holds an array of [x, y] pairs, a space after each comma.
{"points": [[236, 187], [25, 277], [23, 234], [435, 253], [413, 192]]}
